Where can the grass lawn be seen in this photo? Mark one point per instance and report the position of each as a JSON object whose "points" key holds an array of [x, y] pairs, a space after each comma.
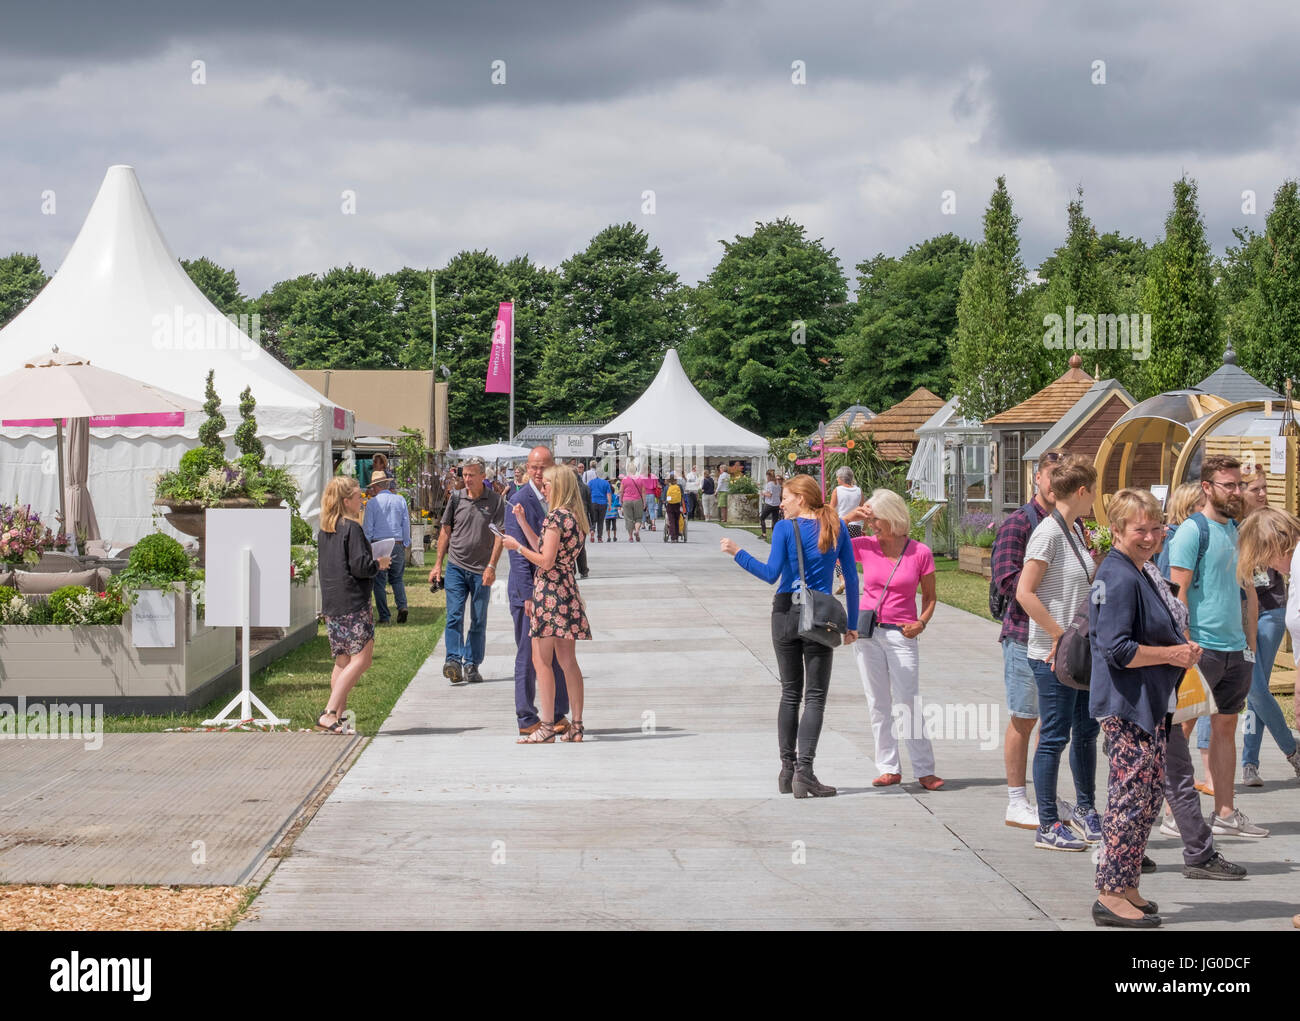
{"points": [[961, 589], [297, 686]]}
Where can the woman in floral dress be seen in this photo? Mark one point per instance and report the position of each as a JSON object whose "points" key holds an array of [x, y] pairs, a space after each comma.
{"points": [[559, 617]]}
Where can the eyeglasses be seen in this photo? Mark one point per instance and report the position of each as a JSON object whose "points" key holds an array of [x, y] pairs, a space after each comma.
{"points": [[1231, 487]]}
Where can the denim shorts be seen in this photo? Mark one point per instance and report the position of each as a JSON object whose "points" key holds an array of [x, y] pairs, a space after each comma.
{"points": [[1022, 690]]}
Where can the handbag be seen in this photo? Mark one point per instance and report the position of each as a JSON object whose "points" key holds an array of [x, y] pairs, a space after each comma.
{"points": [[1073, 664], [867, 618], [821, 617]]}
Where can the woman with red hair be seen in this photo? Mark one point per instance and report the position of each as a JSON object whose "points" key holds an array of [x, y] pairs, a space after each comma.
{"points": [[805, 665]]}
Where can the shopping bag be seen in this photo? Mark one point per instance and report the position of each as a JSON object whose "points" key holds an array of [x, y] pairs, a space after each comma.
{"points": [[1194, 697]]}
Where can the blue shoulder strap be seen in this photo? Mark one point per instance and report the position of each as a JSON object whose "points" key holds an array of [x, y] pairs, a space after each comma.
{"points": [[1203, 528]]}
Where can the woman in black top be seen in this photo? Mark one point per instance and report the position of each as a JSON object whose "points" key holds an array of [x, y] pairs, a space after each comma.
{"points": [[346, 567]]}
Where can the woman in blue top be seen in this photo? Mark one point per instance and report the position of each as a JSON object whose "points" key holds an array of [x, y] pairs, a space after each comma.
{"points": [[825, 540]]}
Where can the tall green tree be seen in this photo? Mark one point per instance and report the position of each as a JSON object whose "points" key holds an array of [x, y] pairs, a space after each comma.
{"points": [[21, 279], [414, 320], [765, 324], [1179, 297], [274, 308], [1081, 287], [998, 358], [902, 335], [219, 284], [618, 309], [343, 321], [470, 289], [1266, 326]]}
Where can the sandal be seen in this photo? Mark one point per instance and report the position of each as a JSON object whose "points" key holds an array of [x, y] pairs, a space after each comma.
{"points": [[574, 733], [334, 728], [544, 734]]}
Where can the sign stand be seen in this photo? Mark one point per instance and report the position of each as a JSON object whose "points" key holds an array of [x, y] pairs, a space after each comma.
{"points": [[246, 699]]}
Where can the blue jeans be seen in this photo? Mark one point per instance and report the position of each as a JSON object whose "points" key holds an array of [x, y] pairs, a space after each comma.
{"points": [[394, 576], [465, 587], [1063, 713], [1262, 709]]}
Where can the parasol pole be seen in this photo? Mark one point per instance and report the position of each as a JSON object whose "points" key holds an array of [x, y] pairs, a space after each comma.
{"points": [[63, 491]]}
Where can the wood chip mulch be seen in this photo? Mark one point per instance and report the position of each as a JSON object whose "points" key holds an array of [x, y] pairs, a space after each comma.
{"points": [[117, 908]]}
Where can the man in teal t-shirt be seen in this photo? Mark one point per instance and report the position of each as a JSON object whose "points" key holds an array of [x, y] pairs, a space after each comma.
{"points": [[1214, 601]]}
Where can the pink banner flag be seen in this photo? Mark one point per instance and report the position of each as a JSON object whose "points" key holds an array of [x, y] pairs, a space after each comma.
{"points": [[499, 376]]}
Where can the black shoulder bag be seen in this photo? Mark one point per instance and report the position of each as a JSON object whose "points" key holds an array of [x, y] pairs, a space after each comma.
{"points": [[1073, 664], [821, 617]]}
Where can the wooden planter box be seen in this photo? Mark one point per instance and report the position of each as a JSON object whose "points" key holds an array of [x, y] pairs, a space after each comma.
{"points": [[52, 663], [976, 560], [742, 509]]}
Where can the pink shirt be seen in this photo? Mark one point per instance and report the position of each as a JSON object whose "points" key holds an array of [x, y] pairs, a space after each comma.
{"points": [[899, 606], [634, 488]]}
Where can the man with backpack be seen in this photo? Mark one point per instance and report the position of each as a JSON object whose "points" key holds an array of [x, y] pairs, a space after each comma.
{"points": [[1203, 564], [1022, 692]]}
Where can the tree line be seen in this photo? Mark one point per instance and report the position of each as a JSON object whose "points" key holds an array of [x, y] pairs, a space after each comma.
{"points": [[771, 336]]}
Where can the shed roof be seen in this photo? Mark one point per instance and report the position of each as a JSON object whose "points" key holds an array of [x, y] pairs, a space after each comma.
{"points": [[1052, 402], [1233, 383], [894, 430]]}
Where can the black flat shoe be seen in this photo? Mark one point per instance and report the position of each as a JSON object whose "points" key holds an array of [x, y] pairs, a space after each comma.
{"points": [[1104, 916], [1148, 866]]}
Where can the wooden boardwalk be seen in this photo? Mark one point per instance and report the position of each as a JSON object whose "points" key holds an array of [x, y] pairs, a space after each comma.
{"points": [[155, 808]]}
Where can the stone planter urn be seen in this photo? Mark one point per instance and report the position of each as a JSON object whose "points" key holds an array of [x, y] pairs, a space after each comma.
{"points": [[187, 517], [742, 508]]}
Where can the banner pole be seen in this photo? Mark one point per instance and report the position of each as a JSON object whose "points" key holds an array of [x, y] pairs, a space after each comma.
{"points": [[512, 370]]}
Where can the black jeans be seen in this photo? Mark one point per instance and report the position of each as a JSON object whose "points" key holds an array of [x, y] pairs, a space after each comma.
{"points": [[805, 668], [768, 512], [598, 518]]}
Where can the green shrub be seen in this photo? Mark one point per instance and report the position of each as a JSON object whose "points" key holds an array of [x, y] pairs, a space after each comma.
{"points": [[7, 592], [68, 604], [41, 613], [158, 558], [743, 485], [198, 462], [300, 533]]}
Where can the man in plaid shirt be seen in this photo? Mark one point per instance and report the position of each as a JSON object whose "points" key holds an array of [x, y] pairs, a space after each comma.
{"points": [[1022, 692]]}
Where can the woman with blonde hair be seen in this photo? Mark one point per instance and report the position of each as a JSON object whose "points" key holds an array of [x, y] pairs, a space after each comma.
{"points": [[1267, 545], [804, 664], [347, 568], [1185, 501], [894, 568], [559, 616]]}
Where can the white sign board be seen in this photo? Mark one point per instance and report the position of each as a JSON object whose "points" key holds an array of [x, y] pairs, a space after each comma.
{"points": [[1277, 455], [265, 533], [153, 620], [573, 446]]}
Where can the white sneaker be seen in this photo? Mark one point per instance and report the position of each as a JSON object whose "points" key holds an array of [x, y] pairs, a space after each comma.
{"points": [[1022, 815], [1170, 828], [1250, 776], [1236, 825]]}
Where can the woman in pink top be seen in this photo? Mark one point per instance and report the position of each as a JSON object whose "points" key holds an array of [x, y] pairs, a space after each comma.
{"points": [[633, 496], [894, 567]]}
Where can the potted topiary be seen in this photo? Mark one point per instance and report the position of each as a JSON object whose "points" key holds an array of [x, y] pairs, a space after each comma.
{"points": [[159, 563], [206, 479], [742, 501]]}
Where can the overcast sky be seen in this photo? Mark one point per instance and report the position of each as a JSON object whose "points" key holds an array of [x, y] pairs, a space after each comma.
{"points": [[605, 101]]}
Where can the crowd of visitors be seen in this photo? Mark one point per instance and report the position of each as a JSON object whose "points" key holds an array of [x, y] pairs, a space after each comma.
{"points": [[1192, 599]]}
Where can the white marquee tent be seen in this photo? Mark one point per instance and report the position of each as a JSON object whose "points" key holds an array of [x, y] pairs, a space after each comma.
{"points": [[672, 419], [123, 300]]}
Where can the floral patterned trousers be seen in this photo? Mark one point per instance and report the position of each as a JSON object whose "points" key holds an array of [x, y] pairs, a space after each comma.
{"points": [[1134, 791]]}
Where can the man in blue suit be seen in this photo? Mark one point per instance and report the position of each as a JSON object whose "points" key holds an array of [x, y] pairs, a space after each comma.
{"points": [[520, 590]]}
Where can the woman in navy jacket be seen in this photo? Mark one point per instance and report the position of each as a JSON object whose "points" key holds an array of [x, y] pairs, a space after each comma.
{"points": [[1139, 655], [805, 665]]}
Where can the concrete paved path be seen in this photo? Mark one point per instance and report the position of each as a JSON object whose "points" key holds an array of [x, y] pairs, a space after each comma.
{"points": [[668, 816]]}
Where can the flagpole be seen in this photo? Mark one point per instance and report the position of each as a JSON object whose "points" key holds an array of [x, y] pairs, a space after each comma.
{"points": [[512, 369]]}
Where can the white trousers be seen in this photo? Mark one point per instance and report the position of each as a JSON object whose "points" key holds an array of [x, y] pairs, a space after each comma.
{"points": [[889, 666]]}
